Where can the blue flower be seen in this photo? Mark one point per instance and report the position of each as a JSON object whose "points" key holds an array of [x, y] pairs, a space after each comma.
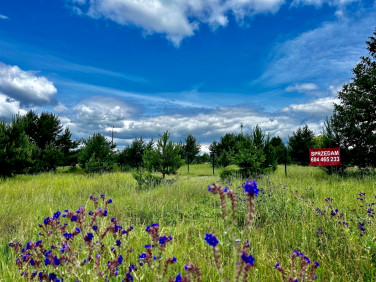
{"points": [[248, 259], [52, 276], [118, 242], [88, 237], [211, 239], [102, 196], [56, 261], [78, 230], [316, 264], [251, 187], [178, 278], [226, 189], [68, 235], [46, 220], [57, 215], [120, 259], [276, 266], [105, 213], [109, 201], [74, 218], [32, 262], [142, 256], [95, 227], [174, 259], [37, 243], [129, 277], [163, 240]]}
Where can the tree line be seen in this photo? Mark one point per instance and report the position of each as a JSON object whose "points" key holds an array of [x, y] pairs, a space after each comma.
{"points": [[36, 143]]}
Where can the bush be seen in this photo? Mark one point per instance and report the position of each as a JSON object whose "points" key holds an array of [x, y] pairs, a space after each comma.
{"points": [[228, 173], [145, 179]]}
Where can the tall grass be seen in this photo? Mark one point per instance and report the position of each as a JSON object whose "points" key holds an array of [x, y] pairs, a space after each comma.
{"points": [[286, 218]]}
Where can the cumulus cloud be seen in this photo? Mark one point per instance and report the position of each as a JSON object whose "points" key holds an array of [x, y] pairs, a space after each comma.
{"points": [[26, 86], [97, 113], [303, 87], [316, 110], [176, 19], [9, 107]]}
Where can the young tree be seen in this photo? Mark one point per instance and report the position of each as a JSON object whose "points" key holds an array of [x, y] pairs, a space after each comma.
{"points": [[355, 117], [164, 158], [250, 158], [96, 155], [299, 144], [191, 148], [15, 148]]}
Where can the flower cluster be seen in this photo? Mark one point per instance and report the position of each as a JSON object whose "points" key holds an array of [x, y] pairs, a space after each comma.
{"points": [[304, 272], [76, 244]]}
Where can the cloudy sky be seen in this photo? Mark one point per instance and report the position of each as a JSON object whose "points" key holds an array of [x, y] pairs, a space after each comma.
{"points": [[200, 66]]}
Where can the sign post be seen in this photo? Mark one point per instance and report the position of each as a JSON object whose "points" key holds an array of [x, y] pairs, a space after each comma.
{"points": [[325, 156]]}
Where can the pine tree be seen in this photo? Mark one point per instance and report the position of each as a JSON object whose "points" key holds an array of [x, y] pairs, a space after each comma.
{"points": [[355, 117]]}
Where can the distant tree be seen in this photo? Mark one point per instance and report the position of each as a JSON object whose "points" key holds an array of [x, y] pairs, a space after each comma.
{"points": [[44, 129], [53, 148], [191, 147], [354, 117], [66, 145], [132, 155], [164, 158], [204, 158], [279, 148], [96, 156], [15, 148], [299, 144]]}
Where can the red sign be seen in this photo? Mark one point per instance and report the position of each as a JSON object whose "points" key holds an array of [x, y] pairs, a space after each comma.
{"points": [[326, 156]]}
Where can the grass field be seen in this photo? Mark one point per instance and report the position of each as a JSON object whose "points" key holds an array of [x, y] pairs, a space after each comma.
{"points": [[289, 216]]}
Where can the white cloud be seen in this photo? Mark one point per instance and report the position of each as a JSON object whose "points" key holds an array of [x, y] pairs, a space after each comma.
{"points": [[9, 107], [303, 87], [177, 19], [317, 109], [2, 17], [97, 112], [25, 86], [60, 108]]}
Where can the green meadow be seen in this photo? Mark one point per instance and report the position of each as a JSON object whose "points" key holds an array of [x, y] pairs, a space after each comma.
{"points": [[292, 213]]}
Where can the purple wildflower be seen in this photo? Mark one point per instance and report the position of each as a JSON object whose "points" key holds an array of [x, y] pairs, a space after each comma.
{"points": [[251, 187], [211, 240]]}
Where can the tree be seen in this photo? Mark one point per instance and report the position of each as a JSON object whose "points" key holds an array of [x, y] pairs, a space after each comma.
{"points": [[279, 148], [299, 144], [249, 158], [15, 148], [132, 155], [164, 158], [191, 148], [66, 145], [354, 118], [96, 156], [52, 148]]}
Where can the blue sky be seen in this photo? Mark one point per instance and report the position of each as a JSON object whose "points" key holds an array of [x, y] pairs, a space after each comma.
{"points": [[201, 66]]}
